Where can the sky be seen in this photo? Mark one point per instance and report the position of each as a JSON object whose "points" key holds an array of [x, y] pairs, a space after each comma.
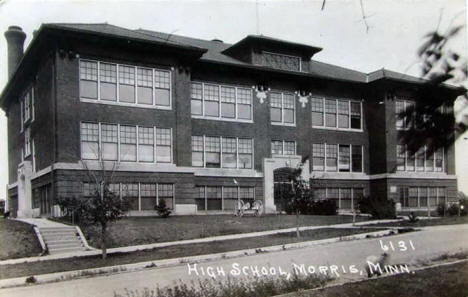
{"points": [[395, 31]]}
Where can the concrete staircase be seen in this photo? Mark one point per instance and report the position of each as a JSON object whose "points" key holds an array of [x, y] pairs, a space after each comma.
{"points": [[64, 239]]}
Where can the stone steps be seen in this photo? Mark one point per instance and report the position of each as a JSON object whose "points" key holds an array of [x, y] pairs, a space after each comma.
{"points": [[64, 239]]}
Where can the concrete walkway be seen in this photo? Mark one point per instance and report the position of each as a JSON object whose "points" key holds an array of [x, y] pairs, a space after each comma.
{"points": [[42, 223], [128, 249]]}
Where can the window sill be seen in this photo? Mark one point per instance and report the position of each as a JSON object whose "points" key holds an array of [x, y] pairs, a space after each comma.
{"points": [[125, 104], [222, 119], [284, 124], [338, 129]]}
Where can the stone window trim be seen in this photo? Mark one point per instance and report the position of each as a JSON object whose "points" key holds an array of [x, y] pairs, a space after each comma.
{"points": [[351, 113], [157, 141], [224, 90], [139, 79], [324, 151], [200, 144]]}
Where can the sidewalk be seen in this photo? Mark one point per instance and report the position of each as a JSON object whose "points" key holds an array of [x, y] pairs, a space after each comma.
{"points": [[128, 249]]}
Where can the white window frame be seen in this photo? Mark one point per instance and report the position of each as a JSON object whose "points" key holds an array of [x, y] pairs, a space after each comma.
{"points": [[220, 117], [337, 114], [221, 152], [418, 189], [338, 159], [27, 142], [406, 103], [137, 141], [282, 123], [283, 143], [222, 195], [425, 160], [117, 102]]}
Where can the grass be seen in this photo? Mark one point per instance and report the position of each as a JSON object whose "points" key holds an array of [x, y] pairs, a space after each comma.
{"points": [[144, 230], [448, 281], [25, 269], [17, 240], [427, 222]]}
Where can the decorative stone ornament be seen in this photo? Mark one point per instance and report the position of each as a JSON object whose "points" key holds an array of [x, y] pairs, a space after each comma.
{"points": [[303, 98], [261, 93]]}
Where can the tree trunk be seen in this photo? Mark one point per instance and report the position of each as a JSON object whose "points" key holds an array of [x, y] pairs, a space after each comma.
{"points": [[104, 241], [298, 234]]}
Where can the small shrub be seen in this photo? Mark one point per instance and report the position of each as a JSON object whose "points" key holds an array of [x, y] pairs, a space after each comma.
{"points": [[162, 209], [31, 280], [453, 210], [442, 209], [413, 218], [378, 207]]}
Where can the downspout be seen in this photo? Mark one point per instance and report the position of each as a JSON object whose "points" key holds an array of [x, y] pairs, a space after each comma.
{"points": [[54, 123]]}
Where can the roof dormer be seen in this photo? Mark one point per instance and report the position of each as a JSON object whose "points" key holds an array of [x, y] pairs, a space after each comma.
{"points": [[273, 53]]}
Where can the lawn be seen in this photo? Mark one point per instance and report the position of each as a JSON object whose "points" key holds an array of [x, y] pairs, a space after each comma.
{"points": [[143, 230], [17, 240], [447, 281], [16, 270], [427, 222]]}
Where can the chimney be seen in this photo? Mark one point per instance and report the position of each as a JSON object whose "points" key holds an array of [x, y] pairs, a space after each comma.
{"points": [[15, 40]]}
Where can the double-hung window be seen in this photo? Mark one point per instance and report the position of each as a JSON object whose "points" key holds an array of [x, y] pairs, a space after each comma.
{"points": [[27, 142], [337, 114], [282, 108], [401, 157], [421, 160], [356, 161], [90, 141], [109, 142], [332, 157], [222, 102], [128, 141], [344, 158], [401, 122], [124, 84], [225, 152], [163, 145], [213, 152], [318, 156], [281, 147], [146, 144]]}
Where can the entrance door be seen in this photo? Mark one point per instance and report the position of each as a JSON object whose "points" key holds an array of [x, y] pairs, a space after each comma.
{"points": [[45, 200], [282, 187]]}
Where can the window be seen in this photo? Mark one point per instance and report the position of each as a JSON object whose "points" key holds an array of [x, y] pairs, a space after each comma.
{"points": [[197, 151], [318, 156], [229, 153], [413, 197], [330, 113], [222, 198], [162, 84], [89, 141], [422, 197], [127, 84], [317, 111], [337, 114], [166, 193], [283, 62], [212, 147], [163, 145], [282, 108], [128, 140], [28, 105], [131, 144], [211, 96], [423, 161], [88, 79], [145, 86], [89, 189], [432, 197], [108, 81], [145, 144], [401, 106], [344, 158], [404, 197], [228, 102], [441, 198], [148, 196], [124, 84], [332, 157], [245, 153], [345, 199], [109, 142], [343, 114], [27, 142], [130, 193], [197, 99], [221, 102], [236, 152], [356, 158], [281, 147]]}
